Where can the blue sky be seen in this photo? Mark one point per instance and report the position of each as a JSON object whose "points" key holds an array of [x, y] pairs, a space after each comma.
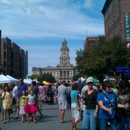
{"points": [[39, 26]]}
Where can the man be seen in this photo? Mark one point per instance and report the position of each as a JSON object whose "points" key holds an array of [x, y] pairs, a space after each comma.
{"points": [[14, 94], [22, 86], [62, 99], [80, 85], [36, 92]]}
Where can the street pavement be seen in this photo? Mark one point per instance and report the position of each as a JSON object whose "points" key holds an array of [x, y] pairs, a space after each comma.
{"points": [[50, 121]]}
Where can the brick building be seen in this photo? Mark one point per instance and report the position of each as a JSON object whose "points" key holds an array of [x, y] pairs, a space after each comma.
{"points": [[90, 41], [13, 59], [117, 19]]}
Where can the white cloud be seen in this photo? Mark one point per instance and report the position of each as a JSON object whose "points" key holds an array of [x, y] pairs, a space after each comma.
{"points": [[88, 4], [24, 20], [47, 20], [22, 5]]}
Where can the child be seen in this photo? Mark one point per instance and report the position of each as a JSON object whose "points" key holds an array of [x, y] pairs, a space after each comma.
{"points": [[30, 108], [40, 96], [23, 99]]}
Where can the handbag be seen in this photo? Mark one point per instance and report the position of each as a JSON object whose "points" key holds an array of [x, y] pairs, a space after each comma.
{"points": [[118, 116]]}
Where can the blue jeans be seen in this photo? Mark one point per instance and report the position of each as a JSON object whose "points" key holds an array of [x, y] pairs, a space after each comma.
{"points": [[104, 124], [89, 122], [125, 121]]}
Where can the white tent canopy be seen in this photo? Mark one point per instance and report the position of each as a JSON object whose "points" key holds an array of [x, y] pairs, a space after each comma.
{"points": [[27, 81], [36, 81], [12, 79], [4, 79], [111, 79]]}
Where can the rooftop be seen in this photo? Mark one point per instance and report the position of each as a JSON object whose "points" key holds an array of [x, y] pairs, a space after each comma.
{"points": [[106, 6]]}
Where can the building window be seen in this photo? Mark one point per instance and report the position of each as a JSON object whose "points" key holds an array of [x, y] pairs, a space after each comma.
{"points": [[91, 44], [4, 55]]}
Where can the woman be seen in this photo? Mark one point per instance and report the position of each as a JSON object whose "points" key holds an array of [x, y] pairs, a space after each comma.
{"points": [[2, 86], [40, 96], [124, 104], [75, 107], [50, 94], [107, 100], [7, 103], [1, 100], [91, 110], [68, 96]]}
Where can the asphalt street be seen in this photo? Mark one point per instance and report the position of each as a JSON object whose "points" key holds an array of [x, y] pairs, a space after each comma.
{"points": [[50, 121]]}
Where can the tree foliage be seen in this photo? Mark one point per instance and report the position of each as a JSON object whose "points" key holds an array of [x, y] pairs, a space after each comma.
{"points": [[44, 77], [75, 77], [92, 61]]}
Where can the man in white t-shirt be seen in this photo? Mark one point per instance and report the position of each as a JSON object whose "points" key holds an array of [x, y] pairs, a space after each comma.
{"points": [[14, 93]]}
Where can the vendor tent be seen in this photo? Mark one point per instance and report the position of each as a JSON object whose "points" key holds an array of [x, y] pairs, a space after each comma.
{"points": [[27, 81], [4, 79], [36, 81], [45, 82], [12, 79], [95, 80], [109, 79]]}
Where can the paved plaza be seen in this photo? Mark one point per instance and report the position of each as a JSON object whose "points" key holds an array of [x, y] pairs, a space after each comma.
{"points": [[50, 121]]}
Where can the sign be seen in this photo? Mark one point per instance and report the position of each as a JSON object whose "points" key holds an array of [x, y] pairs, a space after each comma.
{"points": [[127, 26], [119, 69], [124, 70]]}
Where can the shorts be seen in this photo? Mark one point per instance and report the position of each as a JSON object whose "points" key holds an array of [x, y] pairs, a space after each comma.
{"points": [[40, 98], [62, 104], [75, 112]]}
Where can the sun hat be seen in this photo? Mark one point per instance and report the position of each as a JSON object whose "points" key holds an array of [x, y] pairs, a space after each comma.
{"points": [[89, 80]]}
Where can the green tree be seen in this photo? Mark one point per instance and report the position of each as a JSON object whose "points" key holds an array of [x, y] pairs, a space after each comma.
{"points": [[47, 77], [93, 60], [75, 77], [44, 77]]}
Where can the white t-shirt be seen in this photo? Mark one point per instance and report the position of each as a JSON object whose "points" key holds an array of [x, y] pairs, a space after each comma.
{"points": [[31, 99], [14, 91]]}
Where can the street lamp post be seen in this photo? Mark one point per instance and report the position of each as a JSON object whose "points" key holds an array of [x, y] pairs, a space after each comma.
{"points": [[108, 66]]}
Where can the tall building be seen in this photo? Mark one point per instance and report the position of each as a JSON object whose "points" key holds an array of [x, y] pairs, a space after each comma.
{"points": [[64, 70], [12, 59], [1, 66], [117, 19], [90, 41]]}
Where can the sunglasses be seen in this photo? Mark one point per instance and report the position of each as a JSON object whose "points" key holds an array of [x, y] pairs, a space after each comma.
{"points": [[109, 86], [90, 83]]}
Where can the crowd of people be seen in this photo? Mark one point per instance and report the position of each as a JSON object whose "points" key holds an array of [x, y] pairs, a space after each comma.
{"points": [[96, 105], [25, 99]]}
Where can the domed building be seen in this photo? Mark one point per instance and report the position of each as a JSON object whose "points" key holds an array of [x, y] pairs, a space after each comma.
{"points": [[64, 70]]}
